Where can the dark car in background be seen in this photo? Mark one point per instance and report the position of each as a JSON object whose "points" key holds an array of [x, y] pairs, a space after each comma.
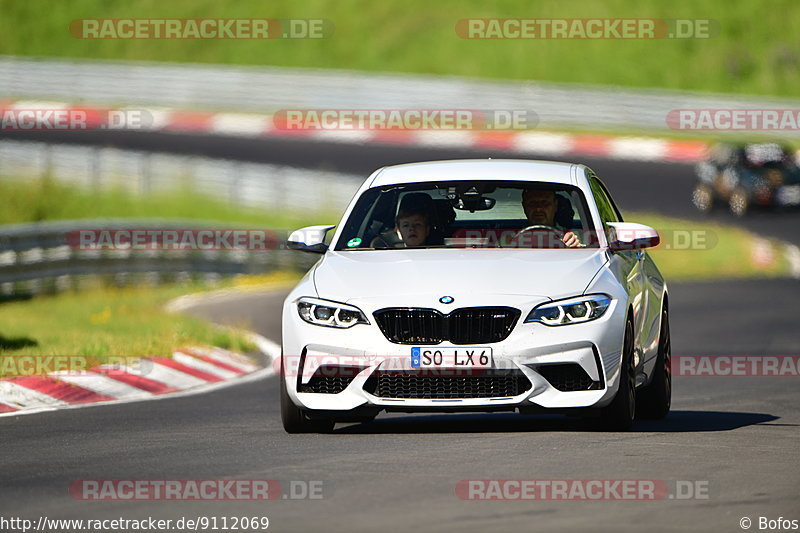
{"points": [[745, 176]]}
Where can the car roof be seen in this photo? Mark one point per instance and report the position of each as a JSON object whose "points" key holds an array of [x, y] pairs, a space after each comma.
{"points": [[477, 169]]}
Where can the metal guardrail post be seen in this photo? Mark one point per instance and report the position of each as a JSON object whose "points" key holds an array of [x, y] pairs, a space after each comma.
{"points": [[37, 257], [269, 89]]}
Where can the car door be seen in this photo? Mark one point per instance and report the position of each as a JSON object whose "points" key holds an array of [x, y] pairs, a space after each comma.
{"points": [[652, 286], [627, 265]]}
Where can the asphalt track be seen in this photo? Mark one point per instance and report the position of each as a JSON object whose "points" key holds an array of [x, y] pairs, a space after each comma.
{"points": [[737, 436], [636, 185]]}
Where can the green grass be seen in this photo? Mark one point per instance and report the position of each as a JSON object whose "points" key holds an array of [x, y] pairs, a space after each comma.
{"points": [[102, 323], [692, 251], [47, 199], [757, 50]]}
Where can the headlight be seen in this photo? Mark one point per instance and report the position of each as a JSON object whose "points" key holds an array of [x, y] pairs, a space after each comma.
{"points": [[572, 311], [330, 314]]}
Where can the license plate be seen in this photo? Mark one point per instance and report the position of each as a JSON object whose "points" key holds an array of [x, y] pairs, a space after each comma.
{"points": [[462, 357]]}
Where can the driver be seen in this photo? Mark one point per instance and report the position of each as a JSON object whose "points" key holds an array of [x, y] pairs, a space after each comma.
{"points": [[540, 207]]}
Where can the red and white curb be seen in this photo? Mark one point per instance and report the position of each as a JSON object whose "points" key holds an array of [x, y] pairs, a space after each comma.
{"points": [[262, 125], [792, 254], [765, 254], [190, 371]]}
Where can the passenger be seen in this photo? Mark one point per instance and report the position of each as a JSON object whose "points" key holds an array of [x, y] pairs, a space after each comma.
{"points": [[412, 228]]}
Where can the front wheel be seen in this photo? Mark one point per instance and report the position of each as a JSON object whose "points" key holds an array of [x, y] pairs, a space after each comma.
{"points": [[619, 414], [739, 202], [703, 198], [655, 399], [294, 419]]}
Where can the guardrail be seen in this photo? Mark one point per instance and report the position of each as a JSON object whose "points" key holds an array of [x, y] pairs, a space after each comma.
{"points": [[43, 258], [37, 257], [268, 89], [257, 185]]}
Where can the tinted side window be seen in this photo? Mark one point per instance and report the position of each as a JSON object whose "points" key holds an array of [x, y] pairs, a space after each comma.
{"points": [[610, 200], [608, 212]]}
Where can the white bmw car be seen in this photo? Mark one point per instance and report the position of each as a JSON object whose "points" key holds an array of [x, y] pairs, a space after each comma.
{"points": [[477, 285]]}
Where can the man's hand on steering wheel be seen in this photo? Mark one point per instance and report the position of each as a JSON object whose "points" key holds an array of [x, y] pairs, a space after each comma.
{"points": [[571, 240], [524, 238], [568, 239]]}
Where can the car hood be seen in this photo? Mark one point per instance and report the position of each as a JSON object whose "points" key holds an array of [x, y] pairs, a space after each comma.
{"points": [[404, 274]]}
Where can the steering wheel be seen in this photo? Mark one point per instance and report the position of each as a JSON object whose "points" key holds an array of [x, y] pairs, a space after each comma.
{"points": [[542, 230]]}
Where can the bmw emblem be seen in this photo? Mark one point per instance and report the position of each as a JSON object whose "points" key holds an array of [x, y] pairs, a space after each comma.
{"points": [[446, 299]]}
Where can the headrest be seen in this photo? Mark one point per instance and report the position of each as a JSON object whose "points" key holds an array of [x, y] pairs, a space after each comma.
{"points": [[417, 201], [564, 212]]}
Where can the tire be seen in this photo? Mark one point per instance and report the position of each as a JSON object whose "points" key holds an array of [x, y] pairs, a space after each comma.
{"points": [[654, 400], [296, 420], [703, 198], [739, 203], [619, 414]]}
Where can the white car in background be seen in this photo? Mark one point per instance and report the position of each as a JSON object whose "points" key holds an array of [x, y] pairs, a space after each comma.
{"points": [[484, 308]]}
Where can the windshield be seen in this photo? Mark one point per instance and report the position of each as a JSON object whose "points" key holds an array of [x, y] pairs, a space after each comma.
{"points": [[469, 214]]}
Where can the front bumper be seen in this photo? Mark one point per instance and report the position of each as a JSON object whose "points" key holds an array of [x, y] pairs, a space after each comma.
{"points": [[347, 362]]}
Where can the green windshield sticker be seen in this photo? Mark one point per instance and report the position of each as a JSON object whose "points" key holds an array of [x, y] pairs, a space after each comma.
{"points": [[352, 243]]}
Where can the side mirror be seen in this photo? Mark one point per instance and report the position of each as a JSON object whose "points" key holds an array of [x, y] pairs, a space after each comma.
{"points": [[309, 239], [631, 236]]}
